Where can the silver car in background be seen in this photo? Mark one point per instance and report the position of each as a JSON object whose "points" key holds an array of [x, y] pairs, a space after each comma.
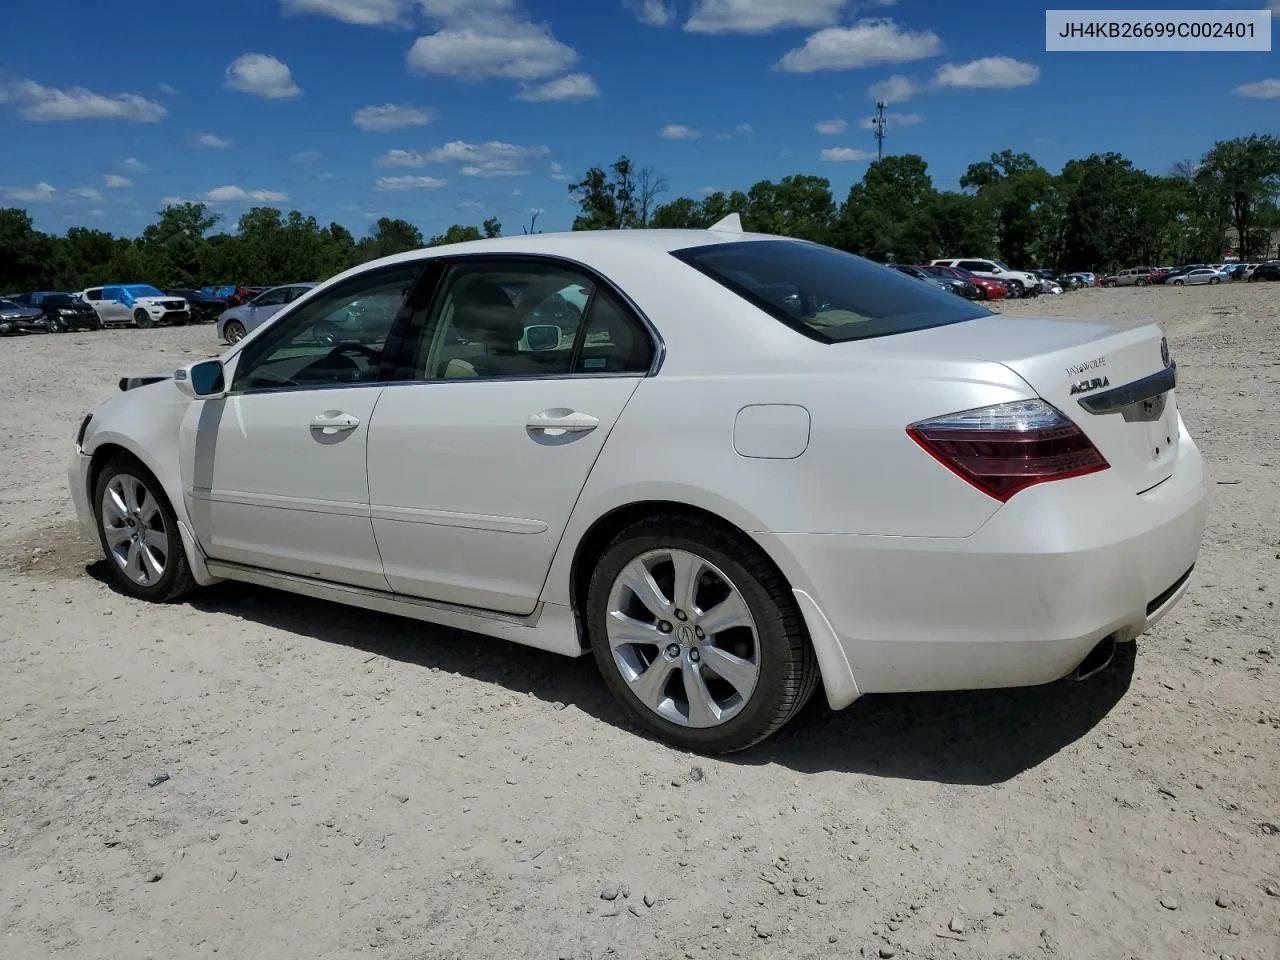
{"points": [[234, 323]]}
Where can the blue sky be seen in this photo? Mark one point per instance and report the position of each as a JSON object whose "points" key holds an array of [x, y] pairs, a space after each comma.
{"points": [[444, 111]]}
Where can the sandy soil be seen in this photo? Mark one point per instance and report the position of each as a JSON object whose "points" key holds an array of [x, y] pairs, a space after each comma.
{"points": [[343, 784]]}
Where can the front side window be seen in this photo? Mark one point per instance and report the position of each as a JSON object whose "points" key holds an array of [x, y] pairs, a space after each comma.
{"points": [[337, 339], [523, 318], [273, 298], [95, 294], [825, 293]]}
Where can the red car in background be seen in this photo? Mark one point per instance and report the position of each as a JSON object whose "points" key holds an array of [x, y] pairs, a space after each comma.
{"points": [[988, 289]]}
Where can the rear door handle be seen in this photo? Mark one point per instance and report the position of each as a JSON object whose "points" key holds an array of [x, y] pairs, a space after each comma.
{"points": [[333, 421], [561, 420]]}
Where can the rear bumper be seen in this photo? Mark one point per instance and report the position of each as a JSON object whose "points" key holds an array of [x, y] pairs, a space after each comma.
{"points": [[1021, 602]]}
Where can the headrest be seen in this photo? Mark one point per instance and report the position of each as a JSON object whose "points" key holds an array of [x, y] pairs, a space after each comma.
{"points": [[484, 306]]}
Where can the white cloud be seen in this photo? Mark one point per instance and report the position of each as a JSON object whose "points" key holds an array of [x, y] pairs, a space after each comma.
{"points": [[368, 13], [557, 171], [409, 183], [678, 131], [231, 194], [575, 86], [86, 193], [654, 13], [326, 176], [213, 141], [495, 168], [491, 155], [845, 154], [1267, 89], [262, 76], [134, 164], [865, 44], [474, 47], [391, 116], [39, 102], [115, 182], [761, 16], [168, 89], [304, 156], [895, 89], [989, 73], [40, 192], [743, 128], [894, 119], [97, 213], [831, 127]]}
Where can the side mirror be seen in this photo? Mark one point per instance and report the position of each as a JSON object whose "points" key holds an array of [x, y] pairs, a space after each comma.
{"points": [[542, 336], [201, 379]]}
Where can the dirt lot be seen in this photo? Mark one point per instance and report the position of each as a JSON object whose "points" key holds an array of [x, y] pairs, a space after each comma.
{"points": [[342, 783]]}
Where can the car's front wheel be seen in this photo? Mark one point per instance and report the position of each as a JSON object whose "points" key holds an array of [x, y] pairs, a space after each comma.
{"points": [[139, 533], [698, 635], [142, 319], [234, 331]]}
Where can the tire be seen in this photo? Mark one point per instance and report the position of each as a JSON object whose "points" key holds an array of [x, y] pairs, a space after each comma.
{"points": [[769, 646], [233, 332], [1016, 290], [139, 533], [1215, 281], [1142, 283], [142, 319], [1179, 283], [56, 325]]}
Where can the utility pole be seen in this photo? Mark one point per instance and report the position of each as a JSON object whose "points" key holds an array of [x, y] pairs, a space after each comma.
{"points": [[878, 123]]}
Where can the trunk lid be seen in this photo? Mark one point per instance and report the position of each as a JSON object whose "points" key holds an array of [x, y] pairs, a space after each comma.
{"points": [[1115, 381]]}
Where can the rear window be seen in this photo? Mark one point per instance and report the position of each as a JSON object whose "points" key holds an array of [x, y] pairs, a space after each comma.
{"points": [[825, 293]]}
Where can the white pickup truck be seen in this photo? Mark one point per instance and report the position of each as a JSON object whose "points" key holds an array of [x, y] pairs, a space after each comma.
{"points": [[1020, 282]]}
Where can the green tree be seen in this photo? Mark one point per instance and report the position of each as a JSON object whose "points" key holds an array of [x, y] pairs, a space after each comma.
{"points": [[1245, 173], [390, 236], [887, 214], [25, 254]]}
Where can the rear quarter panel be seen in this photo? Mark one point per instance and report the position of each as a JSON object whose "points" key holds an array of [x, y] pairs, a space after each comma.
{"points": [[860, 473]]}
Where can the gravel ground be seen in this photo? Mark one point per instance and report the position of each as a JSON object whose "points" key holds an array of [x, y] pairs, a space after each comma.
{"points": [[343, 783]]}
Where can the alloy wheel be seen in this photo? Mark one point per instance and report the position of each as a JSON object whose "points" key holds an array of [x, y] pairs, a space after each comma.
{"points": [[134, 530], [683, 638]]}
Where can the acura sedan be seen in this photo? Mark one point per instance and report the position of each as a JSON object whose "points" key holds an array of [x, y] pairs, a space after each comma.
{"points": [[731, 467]]}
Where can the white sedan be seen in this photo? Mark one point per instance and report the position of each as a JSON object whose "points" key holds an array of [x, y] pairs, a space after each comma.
{"points": [[731, 466]]}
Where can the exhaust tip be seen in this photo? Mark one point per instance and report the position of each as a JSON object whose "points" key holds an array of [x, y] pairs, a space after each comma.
{"points": [[1097, 660]]}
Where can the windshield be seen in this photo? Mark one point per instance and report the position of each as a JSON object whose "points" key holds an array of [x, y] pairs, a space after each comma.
{"points": [[59, 299], [143, 290], [825, 293]]}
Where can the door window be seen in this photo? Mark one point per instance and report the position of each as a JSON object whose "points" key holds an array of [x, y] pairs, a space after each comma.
{"points": [[520, 318], [95, 294], [335, 340], [274, 298]]}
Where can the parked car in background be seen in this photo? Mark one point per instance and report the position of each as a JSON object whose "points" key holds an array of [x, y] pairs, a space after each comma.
{"points": [[1159, 274], [62, 311], [1266, 271], [204, 307], [982, 288], [1019, 282], [231, 293], [949, 284], [1133, 277], [135, 304], [235, 322], [20, 318], [1197, 276]]}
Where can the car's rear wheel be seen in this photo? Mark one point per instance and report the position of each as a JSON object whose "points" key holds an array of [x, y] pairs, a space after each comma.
{"points": [[142, 319], [698, 635], [234, 331], [1179, 283], [139, 533]]}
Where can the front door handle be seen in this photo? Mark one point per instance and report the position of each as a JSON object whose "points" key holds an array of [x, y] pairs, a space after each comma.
{"points": [[334, 421], [560, 420]]}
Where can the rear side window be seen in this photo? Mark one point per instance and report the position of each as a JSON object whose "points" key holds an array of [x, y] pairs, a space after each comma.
{"points": [[825, 293]]}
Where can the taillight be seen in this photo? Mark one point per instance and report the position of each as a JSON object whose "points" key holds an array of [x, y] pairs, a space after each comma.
{"points": [[1008, 447]]}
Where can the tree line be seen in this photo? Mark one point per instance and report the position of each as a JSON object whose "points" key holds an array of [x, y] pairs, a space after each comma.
{"points": [[1097, 213]]}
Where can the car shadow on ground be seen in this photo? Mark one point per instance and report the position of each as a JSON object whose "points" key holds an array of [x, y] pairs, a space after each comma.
{"points": [[978, 738]]}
